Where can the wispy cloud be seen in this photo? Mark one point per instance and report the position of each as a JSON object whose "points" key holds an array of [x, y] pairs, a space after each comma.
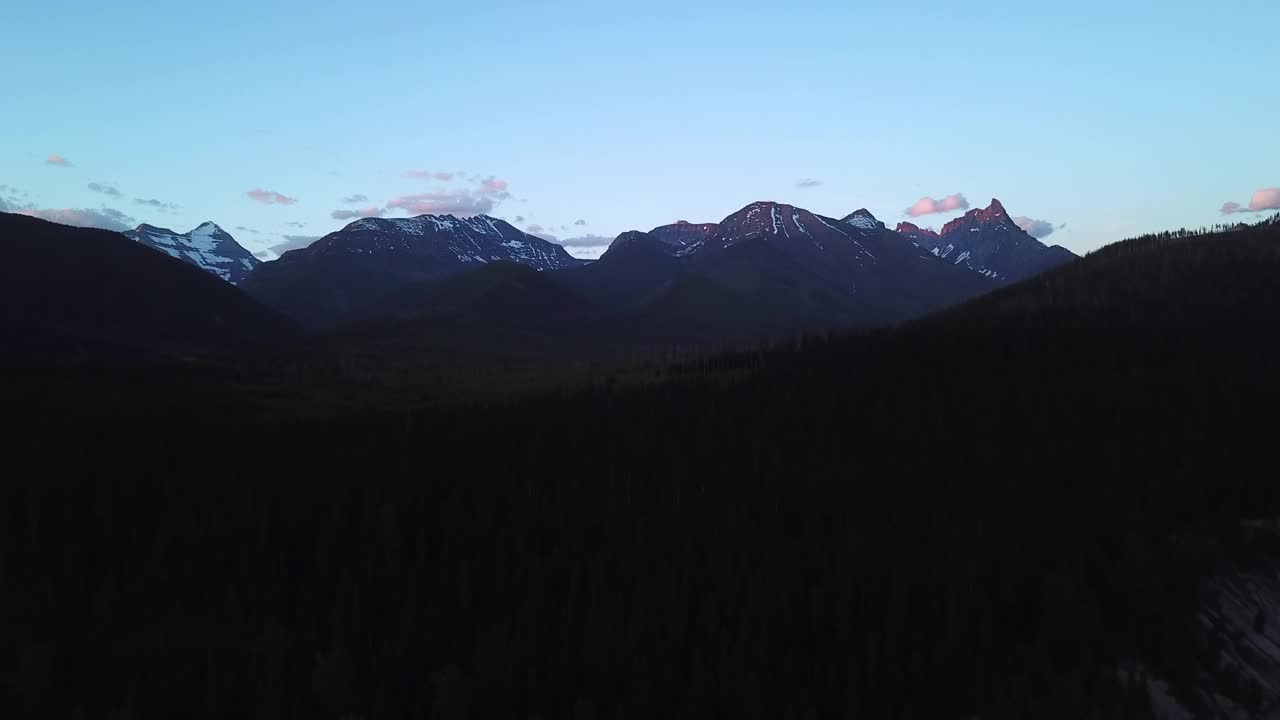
{"points": [[579, 222], [428, 175], [1262, 200], [808, 183], [357, 198], [928, 205], [1035, 228], [370, 211], [11, 203], [157, 204], [104, 189], [443, 203], [243, 229], [270, 197], [59, 161], [534, 229], [104, 218], [295, 224]]}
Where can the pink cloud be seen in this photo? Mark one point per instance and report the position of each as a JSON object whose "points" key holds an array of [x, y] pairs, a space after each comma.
{"points": [[370, 211], [482, 198], [928, 206], [1262, 200], [59, 161], [461, 203], [269, 197], [428, 175], [535, 228]]}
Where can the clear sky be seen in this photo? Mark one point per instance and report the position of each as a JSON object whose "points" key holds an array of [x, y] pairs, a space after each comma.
{"points": [[1103, 119]]}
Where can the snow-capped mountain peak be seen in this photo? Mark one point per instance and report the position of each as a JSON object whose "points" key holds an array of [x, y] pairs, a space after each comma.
{"points": [[863, 220], [207, 246], [476, 239]]}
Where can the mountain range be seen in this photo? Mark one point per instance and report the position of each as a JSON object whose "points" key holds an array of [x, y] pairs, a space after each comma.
{"points": [[766, 269]]}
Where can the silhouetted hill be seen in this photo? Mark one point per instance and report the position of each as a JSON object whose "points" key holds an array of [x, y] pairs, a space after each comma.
{"points": [[1051, 502], [64, 287]]}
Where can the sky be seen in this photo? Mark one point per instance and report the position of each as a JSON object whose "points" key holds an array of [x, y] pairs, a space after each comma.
{"points": [[281, 121]]}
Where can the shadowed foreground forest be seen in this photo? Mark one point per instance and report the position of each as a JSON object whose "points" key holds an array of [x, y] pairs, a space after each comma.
{"points": [[989, 512]]}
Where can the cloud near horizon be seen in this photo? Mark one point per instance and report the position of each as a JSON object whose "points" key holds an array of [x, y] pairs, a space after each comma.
{"points": [[928, 206], [357, 198], [103, 218], [584, 241], [270, 197], [1262, 200], [371, 211], [59, 161], [808, 183], [292, 242], [488, 194], [584, 247], [1035, 228]]}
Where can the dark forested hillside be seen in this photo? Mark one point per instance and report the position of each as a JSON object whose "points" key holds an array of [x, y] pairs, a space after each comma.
{"points": [[988, 513], [77, 290]]}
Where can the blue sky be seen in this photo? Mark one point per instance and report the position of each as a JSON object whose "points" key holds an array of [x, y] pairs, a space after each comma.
{"points": [[1109, 118]]}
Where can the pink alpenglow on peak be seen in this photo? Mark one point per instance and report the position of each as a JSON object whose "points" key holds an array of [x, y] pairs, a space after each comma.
{"points": [[913, 230]]}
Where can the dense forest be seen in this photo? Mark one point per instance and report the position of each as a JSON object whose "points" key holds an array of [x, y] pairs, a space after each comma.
{"points": [[989, 512]]}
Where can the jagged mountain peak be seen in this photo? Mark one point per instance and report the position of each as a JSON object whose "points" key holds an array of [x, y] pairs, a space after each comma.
{"points": [[208, 228], [207, 246], [992, 214], [863, 220], [988, 241]]}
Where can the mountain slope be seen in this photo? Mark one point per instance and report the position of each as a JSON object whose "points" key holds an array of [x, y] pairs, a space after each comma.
{"points": [[74, 287], [1219, 282], [682, 233], [886, 276], [634, 267], [330, 281], [990, 243], [208, 247]]}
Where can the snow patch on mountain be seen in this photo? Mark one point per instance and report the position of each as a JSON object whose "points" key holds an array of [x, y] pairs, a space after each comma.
{"points": [[208, 247]]}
